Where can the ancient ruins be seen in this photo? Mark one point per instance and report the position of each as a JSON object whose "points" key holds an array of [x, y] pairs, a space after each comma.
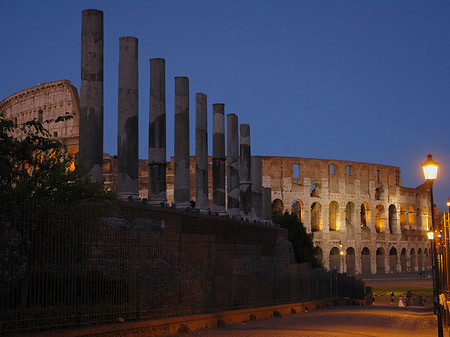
{"points": [[362, 218]]}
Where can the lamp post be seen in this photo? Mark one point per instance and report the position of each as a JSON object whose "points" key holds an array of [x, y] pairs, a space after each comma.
{"points": [[430, 169]]}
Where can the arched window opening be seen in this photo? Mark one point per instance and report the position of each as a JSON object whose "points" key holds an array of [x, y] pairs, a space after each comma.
{"points": [[297, 209], [316, 217], [425, 218], [393, 260], [350, 260], [318, 254], [277, 206], [392, 219], [365, 261], [335, 259], [403, 261], [377, 193], [365, 214], [379, 219], [314, 191], [333, 216]]}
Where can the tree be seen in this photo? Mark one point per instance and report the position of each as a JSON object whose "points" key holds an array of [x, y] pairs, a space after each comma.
{"points": [[302, 242], [37, 167]]}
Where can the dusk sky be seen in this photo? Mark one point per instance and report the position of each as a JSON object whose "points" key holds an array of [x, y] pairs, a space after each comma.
{"points": [[365, 81]]}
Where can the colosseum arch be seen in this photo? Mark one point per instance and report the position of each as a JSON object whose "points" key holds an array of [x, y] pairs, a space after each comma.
{"points": [[380, 221], [381, 265], [318, 254], [426, 259], [333, 216], [350, 260], [393, 260], [403, 261], [411, 217], [314, 191], [316, 217], [335, 259], [365, 214], [412, 260], [403, 221], [297, 208], [392, 219], [349, 218], [277, 206], [420, 259], [365, 261]]}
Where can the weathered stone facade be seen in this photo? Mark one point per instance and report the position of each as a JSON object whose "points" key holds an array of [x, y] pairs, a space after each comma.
{"points": [[45, 102], [362, 218]]}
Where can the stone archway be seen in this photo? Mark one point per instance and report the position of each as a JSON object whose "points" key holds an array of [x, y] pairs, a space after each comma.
{"points": [[316, 217], [335, 259], [277, 206], [412, 260], [392, 219], [333, 216], [297, 209], [318, 254], [403, 261], [350, 260], [419, 260], [365, 261], [393, 260], [349, 219], [381, 265]]}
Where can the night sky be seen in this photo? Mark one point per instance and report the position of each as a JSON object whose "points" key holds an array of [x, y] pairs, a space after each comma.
{"points": [[365, 81]]}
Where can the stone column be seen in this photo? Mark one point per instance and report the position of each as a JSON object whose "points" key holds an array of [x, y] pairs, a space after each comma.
{"points": [[245, 185], [157, 133], [128, 108], [91, 93], [256, 179], [233, 165], [201, 152], [218, 158], [267, 203], [181, 193]]}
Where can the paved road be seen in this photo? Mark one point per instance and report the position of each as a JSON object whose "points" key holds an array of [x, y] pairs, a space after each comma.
{"points": [[338, 321]]}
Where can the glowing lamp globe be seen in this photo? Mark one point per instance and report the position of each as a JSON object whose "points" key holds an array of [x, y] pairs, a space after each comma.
{"points": [[430, 168], [430, 235]]}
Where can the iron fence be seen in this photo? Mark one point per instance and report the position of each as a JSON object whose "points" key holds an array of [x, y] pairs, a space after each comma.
{"points": [[62, 266]]}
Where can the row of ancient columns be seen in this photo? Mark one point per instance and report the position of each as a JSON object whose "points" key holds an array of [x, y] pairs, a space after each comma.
{"points": [[244, 192]]}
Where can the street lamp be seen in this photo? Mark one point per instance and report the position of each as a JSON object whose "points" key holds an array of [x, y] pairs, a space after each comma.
{"points": [[430, 170]]}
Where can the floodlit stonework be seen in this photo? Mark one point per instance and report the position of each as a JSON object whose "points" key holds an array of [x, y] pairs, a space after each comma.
{"points": [[45, 102], [362, 218]]}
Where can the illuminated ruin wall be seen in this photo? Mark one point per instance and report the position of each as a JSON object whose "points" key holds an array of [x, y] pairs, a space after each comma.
{"points": [[362, 218], [45, 102]]}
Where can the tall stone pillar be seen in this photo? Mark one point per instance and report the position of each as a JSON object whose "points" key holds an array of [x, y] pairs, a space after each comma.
{"points": [[256, 180], [128, 108], [218, 158], [267, 203], [91, 93], [181, 153], [201, 152], [233, 165], [157, 133], [245, 185]]}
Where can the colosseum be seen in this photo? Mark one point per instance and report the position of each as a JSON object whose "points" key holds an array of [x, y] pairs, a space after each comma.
{"points": [[363, 220]]}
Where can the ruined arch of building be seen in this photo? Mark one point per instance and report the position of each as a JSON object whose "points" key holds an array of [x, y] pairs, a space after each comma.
{"points": [[393, 260], [314, 191], [335, 259], [419, 260], [318, 254], [316, 217], [365, 214], [298, 209], [380, 221], [365, 261], [412, 260], [350, 260], [333, 216], [392, 219], [403, 261], [425, 218], [403, 220], [277, 206], [380, 261]]}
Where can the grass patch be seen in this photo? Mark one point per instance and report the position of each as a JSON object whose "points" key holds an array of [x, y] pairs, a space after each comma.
{"points": [[383, 294]]}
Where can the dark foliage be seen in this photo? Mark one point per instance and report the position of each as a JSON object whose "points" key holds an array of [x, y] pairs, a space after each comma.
{"points": [[297, 235]]}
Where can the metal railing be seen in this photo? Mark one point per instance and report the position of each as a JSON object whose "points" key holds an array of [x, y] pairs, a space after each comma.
{"points": [[61, 266]]}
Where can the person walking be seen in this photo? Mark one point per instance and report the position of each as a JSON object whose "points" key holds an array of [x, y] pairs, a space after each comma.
{"points": [[392, 298], [400, 301]]}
